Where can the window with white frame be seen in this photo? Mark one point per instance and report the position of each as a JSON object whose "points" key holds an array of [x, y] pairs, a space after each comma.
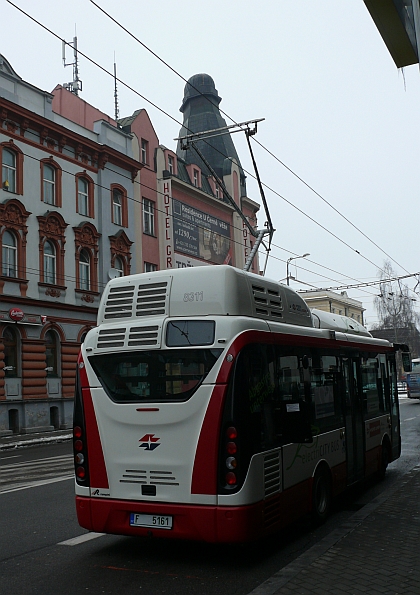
{"points": [[119, 266], [195, 173], [8, 170], [49, 263], [84, 270], [83, 196], [117, 206], [144, 150], [148, 217], [49, 184], [171, 167], [9, 254], [149, 267]]}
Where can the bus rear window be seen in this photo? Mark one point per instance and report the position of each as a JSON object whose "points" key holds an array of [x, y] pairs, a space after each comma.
{"points": [[153, 375], [182, 333]]}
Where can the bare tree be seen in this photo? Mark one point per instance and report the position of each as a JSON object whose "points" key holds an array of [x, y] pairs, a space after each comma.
{"points": [[394, 305]]}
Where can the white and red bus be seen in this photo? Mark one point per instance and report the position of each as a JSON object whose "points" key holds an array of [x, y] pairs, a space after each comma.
{"points": [[212, 404]]}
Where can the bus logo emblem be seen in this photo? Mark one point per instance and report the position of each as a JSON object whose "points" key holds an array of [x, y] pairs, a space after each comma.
{"points": [[149, 442]]}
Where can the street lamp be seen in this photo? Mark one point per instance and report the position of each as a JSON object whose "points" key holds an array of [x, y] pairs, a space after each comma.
{"points": [[289, 260]]}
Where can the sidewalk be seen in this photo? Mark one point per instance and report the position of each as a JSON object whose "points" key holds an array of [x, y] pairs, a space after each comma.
{"points": [[376, 552], [21, 440]]}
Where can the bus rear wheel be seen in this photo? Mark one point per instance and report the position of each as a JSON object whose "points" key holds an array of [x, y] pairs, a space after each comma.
{"points": [[384, 461], [321, 496]]}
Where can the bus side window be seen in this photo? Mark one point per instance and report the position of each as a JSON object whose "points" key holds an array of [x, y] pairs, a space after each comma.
{"points": [[292, 397], [325, 376]]}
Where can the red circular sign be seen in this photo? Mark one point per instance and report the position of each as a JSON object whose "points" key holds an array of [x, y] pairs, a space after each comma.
{"points": [[16, 314]]}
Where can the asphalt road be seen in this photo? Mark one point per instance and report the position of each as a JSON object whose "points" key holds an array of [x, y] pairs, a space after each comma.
{"points": [[43, 550]]}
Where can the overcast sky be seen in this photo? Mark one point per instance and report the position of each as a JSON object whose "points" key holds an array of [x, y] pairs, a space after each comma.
{"points": [[338, 112]]}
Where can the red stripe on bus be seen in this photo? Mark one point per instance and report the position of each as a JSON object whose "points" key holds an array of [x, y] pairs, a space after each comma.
{"points": [[97, 468], [204, 476]]}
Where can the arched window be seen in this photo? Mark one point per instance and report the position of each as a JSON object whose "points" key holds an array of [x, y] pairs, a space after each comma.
{"points": [[49, 184], [11, 157], [9, 254], [85, 201], [120, 253], [119, 266], [52, 239], [51, 174], [117, 206], [10, 342], [86, 238], [83, 196], [51, 353], [49, 263], [84, 270], [9, 170]]}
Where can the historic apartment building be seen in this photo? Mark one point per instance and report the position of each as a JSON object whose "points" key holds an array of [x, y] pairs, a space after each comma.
{"points": [[336, 303], [66, 226]]}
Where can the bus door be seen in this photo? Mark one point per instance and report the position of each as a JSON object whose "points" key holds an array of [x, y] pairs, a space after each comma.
{"points": [[353, 421]]}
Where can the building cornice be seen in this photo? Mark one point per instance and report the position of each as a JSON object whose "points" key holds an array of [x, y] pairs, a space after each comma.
{"points": [[54, 137]]}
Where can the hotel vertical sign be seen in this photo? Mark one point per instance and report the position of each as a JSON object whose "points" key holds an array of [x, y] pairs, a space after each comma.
{"points": [[168, 225]]}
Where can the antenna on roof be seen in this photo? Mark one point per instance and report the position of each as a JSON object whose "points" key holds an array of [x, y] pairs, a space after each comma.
{"points": [[117, 110], [76, 85]]}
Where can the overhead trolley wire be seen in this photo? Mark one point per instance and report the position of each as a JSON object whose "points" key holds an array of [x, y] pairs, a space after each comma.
{"points": [[114, 20]]}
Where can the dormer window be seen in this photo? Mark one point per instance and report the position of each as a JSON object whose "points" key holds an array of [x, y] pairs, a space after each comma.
{"points": [[171, 167], [196, 177], [144, 150]]}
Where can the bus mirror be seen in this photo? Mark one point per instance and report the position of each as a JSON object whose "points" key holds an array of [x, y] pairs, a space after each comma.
{"points": [[406, 361]]}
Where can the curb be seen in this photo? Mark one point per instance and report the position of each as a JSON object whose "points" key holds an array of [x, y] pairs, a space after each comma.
{"points": [[20, 442]]}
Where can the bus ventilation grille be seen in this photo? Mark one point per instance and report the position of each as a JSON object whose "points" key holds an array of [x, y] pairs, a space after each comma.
{"points": [[119, 303], [272, 511], [272, 486], [272, 474], [151, 299], [111, 338], [149, 477], [267, 302], [143, 335]]}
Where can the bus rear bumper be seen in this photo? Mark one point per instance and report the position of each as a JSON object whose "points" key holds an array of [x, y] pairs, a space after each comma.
{"points": [[213, 524]]}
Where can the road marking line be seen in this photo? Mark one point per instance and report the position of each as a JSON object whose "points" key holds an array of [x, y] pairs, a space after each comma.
{"points": [[81, 539], [409, 418], [37, 462], [35, 484]]}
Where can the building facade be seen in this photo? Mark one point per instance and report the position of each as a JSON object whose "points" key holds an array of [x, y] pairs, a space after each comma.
{"points": [[66, 226], [336, 303], [184, 218]]}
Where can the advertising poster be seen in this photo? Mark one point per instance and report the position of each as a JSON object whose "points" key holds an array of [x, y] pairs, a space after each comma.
{"points": [[200, 235]]}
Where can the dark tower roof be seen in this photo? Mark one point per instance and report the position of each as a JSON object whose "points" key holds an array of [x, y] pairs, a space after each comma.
{"points": [[201, 112]]}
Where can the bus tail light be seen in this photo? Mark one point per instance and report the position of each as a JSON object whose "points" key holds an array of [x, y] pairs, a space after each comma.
{"points": [[231, 479], [229, 465]]}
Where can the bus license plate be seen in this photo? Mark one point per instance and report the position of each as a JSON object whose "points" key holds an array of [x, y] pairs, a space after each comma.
{"points": [[155, 521]]}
